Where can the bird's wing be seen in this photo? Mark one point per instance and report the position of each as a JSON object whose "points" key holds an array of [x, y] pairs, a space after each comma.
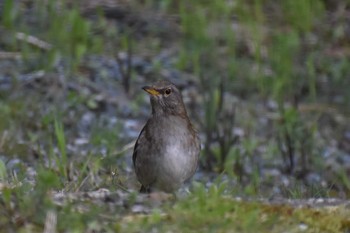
{"points": [[139, 139]]}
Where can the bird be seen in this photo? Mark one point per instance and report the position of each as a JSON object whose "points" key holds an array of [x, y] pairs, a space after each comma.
{"points": [[166, 152]]}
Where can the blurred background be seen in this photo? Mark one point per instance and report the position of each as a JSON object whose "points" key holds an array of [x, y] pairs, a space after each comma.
{"points": [[266, 83]]}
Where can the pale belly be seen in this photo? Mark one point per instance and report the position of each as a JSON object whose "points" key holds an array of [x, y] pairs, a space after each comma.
{"points": [[176, 167]]}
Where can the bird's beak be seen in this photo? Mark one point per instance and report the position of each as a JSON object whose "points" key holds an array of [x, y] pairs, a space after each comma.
{"points": [[151, 90]]}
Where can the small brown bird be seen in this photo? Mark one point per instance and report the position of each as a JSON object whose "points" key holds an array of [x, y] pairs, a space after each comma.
{"points": [[167, 149]]}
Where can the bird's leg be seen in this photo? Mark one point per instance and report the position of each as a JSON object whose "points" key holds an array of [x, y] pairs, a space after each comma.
{"points": [[143, 189]]}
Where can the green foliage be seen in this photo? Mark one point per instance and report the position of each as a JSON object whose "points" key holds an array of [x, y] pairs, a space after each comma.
{"points": [[47, 180], [9, 14], [300, 14], [69, 34], [344, 179], [214, 211], [284, 50], [62, 161], [300, 191], [208, 36], [3, 172]]}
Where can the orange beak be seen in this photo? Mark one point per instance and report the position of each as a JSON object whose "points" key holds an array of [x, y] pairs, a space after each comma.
{"points": [[151, 90]]}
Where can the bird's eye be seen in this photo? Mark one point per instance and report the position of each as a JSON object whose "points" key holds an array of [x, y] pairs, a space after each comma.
{"points": [[167, 92]]}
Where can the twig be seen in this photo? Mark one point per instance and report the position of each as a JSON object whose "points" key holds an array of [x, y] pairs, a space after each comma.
{"points": [[3, 139], [10, 55], [33, 41], [82, 183], [122, 187], [50, 222], [127, 147]]}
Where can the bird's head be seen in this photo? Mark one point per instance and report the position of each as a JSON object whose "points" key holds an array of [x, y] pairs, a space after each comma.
{"points": [[165, 98]]}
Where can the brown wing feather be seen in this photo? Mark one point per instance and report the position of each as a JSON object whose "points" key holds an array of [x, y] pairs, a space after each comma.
{"points": [[141, 135]]}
